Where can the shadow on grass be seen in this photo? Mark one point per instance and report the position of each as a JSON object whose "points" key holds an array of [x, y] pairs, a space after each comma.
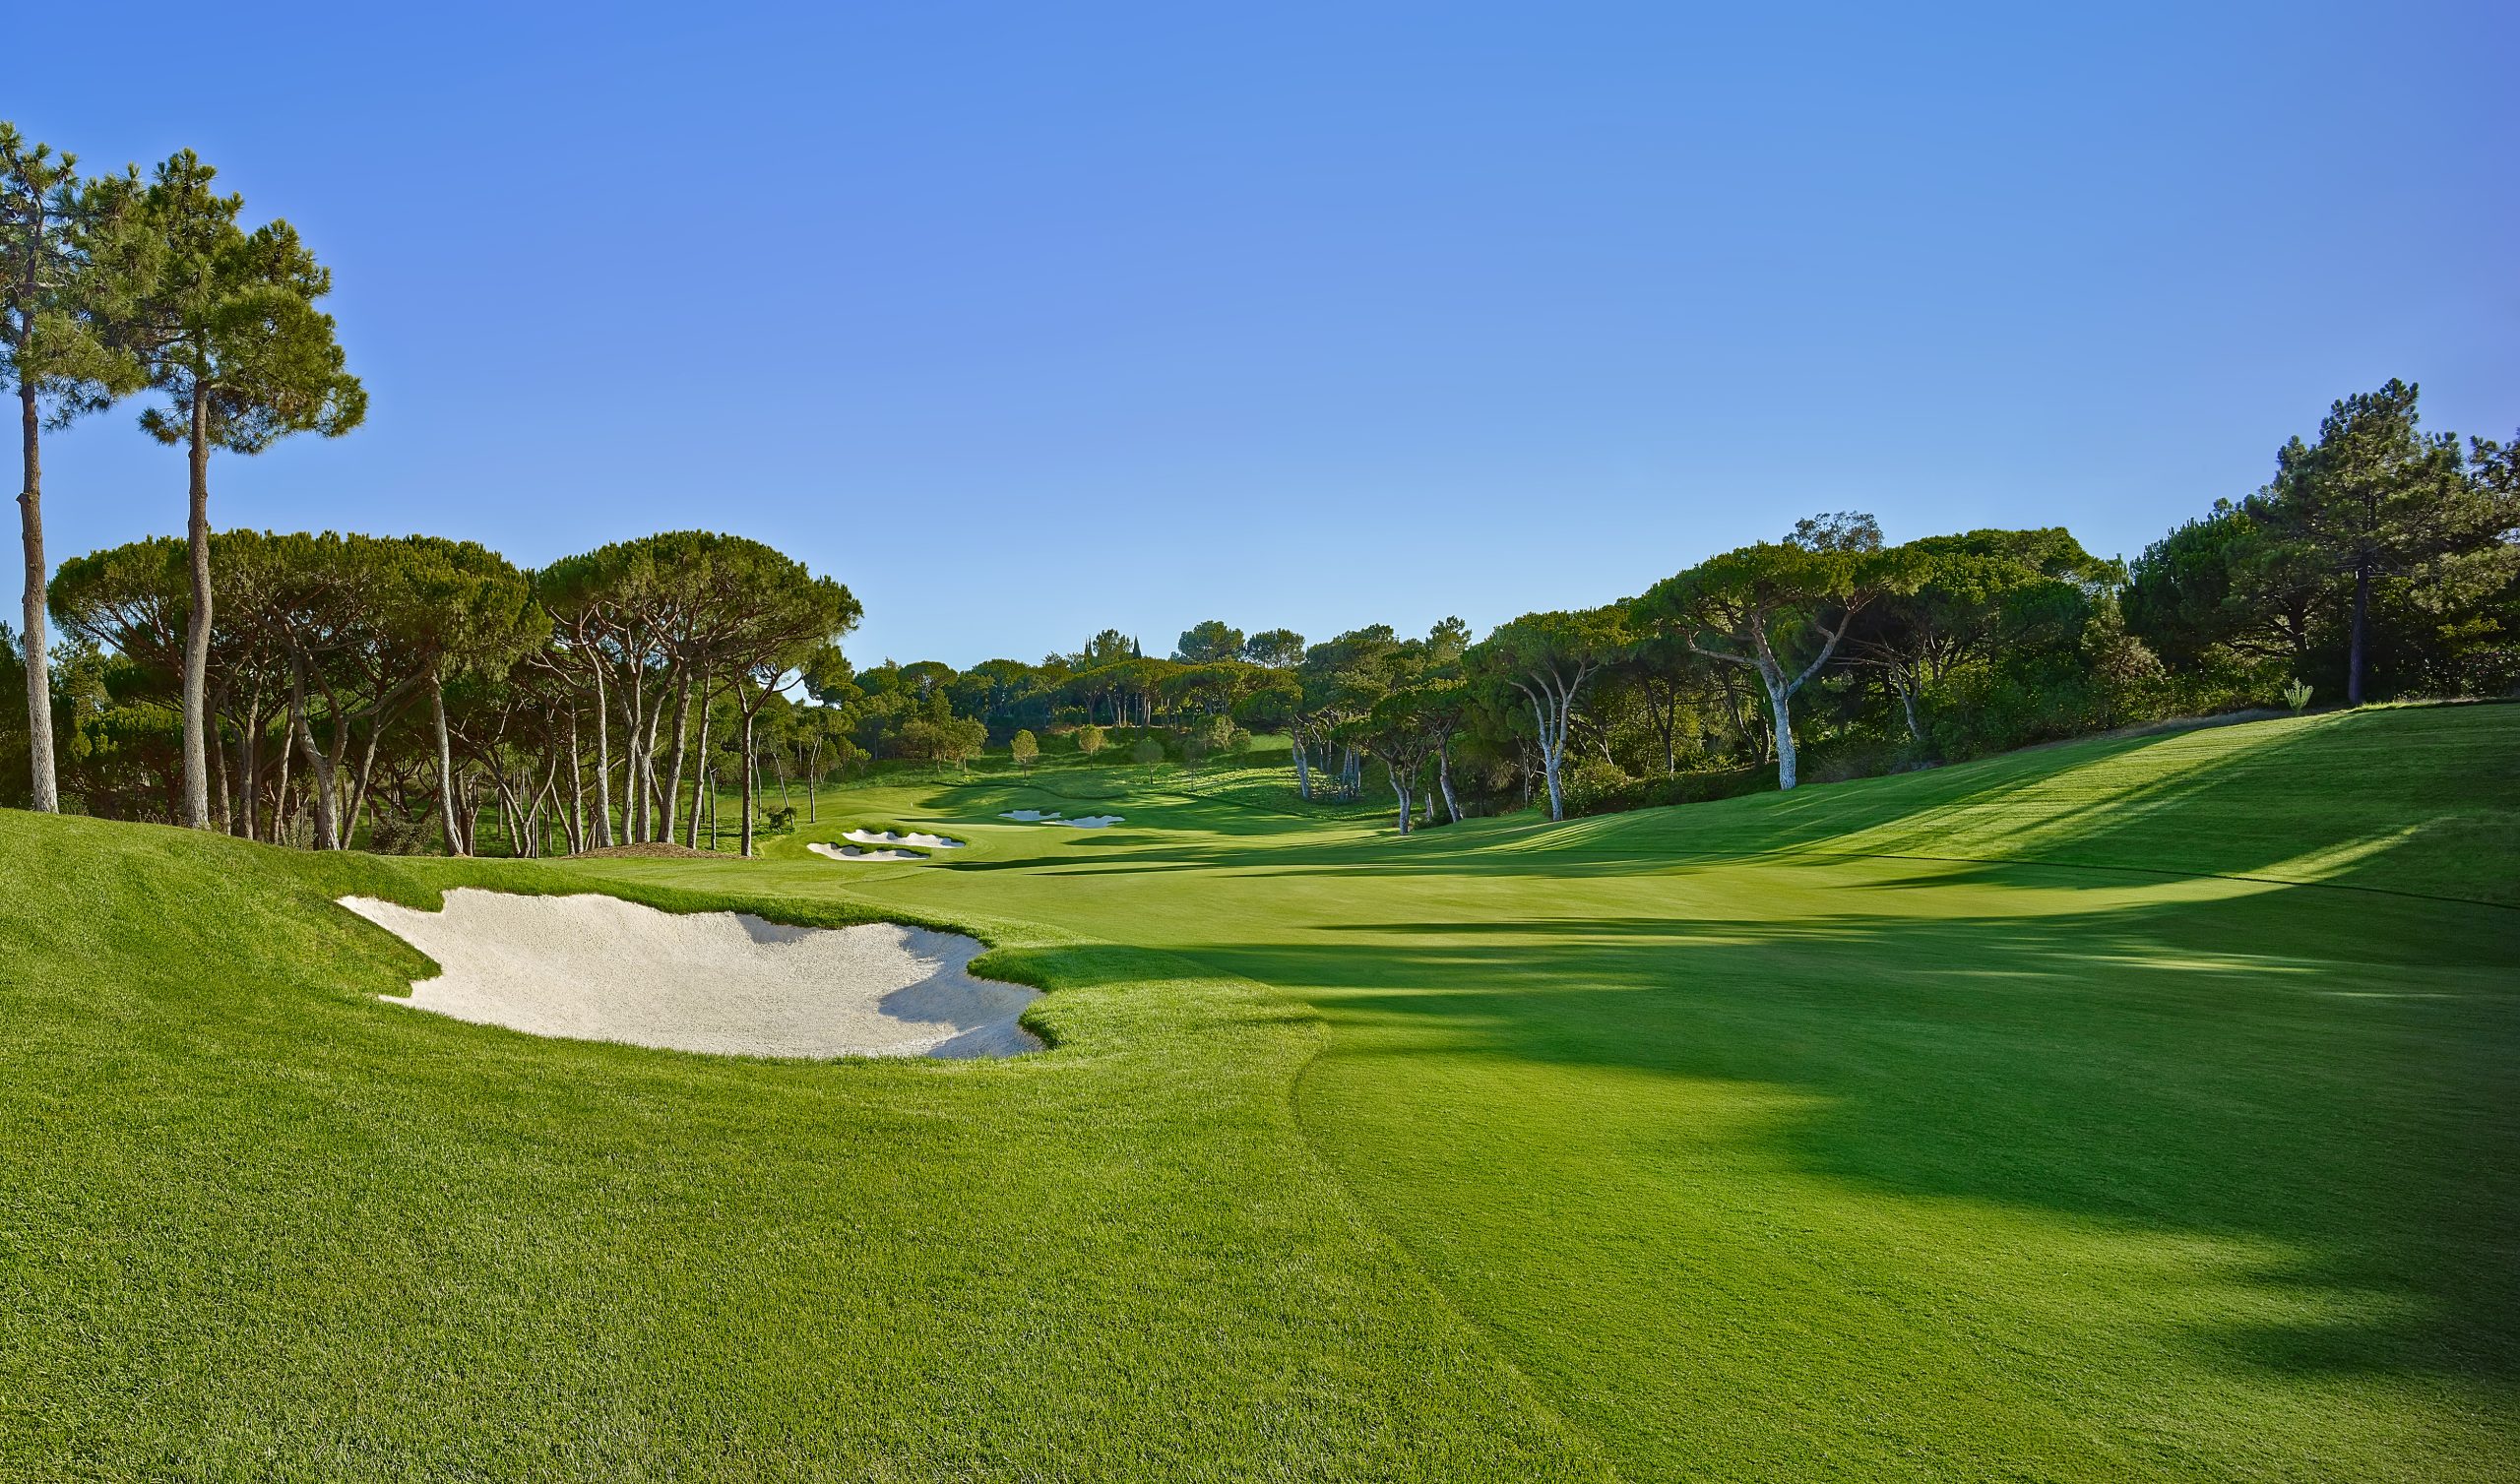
{"points": [[2417, 801], [2265, 1067]]}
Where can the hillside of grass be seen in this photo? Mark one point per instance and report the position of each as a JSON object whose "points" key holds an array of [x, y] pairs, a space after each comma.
{"points": [[2056, 1116], [259, 1223], [2038, 1118], [2417, 800]]}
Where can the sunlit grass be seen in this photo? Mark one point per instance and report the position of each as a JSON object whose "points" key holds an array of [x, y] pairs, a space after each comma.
{"points": [[2009, 1121]]}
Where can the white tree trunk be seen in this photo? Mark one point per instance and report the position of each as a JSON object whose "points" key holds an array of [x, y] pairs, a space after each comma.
{"points": [[445, 767], [1780, 703], [318, 764], [602, 758]]}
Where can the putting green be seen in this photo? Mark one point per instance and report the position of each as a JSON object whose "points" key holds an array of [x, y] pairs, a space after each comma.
{"points": [[2139, 1108]]}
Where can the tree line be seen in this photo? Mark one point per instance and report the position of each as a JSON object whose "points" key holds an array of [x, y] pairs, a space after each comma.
{"points": [[307, 686], [404, 683], [2381, 561]]}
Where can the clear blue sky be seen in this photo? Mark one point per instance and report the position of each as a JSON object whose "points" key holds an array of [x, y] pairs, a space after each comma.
{"points": [[1025, 320]]}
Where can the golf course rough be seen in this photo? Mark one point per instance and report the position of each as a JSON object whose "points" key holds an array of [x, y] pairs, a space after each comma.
{"points": [[2140, 1108]]}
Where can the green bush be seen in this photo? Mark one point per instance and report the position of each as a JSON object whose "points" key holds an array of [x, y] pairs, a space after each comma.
{"points": [[1695, 787], [1592, 780], [391, 834]]}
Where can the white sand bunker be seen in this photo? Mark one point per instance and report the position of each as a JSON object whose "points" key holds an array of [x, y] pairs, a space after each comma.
{"points": [[855, 852], [913, 838], [599, 968], [1081, 822]]}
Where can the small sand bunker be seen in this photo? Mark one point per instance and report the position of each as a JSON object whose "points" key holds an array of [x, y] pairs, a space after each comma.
{"points": [[854, 852], [1081, 822], [598, 969], [913, 838]]}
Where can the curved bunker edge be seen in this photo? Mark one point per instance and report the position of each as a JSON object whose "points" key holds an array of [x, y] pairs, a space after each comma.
{"points": [[588, 966]]}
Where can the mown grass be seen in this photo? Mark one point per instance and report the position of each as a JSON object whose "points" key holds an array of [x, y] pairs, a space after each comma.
{"points": [[258, 1223], [2131, 1109]]}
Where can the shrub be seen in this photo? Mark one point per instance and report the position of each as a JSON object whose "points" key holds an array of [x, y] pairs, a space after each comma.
{"points": [[2298, 696], [1024, 748], [1091, 739], [392, 833], [1681, 788], [1219, 734], [1592, 780], [778, 821], [1148, 751]]}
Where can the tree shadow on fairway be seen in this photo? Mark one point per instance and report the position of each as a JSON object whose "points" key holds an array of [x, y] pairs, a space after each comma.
{"points": [[2325, 1080]]}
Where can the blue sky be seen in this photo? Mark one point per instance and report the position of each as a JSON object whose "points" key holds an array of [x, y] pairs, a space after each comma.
{"points": [[1027, 320]]}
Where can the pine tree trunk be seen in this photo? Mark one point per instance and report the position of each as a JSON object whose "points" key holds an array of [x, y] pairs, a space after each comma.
{"points": [[751, 770], [227, 812], [602, 759], [703, 785], [196, 625], [1444, 781], [2361, 631], [47, 787], [1781, 702], [577, 788], [445, 765], [280, 789], [318, 765], [673, 774], [1553, 749], [248, 765]]}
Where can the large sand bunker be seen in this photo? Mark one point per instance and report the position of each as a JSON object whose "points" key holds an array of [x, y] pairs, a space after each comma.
{"points": [[859, 852], [598, 969], [914, 837], [1081, 822]]}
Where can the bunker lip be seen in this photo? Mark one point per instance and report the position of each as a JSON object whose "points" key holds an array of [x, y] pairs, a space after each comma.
{"points": [[855, 852], [598, 969], [913, 838]]}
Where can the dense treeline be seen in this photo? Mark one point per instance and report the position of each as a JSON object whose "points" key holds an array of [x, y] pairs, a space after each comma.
{"points": [[2379, 563], [395, 690], [326, 689], [361, 686]]}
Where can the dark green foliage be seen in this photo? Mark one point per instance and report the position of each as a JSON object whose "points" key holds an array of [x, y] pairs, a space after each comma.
{"points": [[2379, 561]]}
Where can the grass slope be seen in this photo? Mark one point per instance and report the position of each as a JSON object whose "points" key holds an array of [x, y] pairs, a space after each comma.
{"points": [[257, 1223], [2055, 1116]]}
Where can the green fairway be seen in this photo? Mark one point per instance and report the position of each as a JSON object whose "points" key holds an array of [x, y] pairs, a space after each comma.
{"points": [[2131, 1108]]}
